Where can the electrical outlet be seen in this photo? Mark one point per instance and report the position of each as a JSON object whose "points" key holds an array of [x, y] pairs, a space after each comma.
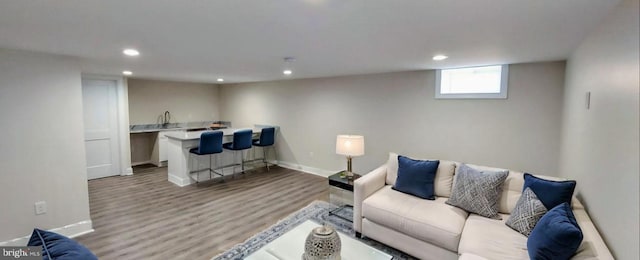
{"points": [[41, 207]]}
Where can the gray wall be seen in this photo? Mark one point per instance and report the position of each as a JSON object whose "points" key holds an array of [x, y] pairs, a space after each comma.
{"points": [[41, 149], [187, 102], [600, 147], [397, 112]]}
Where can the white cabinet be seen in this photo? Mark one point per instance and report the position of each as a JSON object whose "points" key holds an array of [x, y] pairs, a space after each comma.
{"points": [[159, 156], [162, 146]]}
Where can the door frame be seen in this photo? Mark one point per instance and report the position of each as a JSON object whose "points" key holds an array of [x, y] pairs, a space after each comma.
{"points": [[124, 143]]}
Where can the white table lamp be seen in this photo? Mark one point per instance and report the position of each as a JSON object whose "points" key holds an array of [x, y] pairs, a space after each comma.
{"points": [[351, 146]]}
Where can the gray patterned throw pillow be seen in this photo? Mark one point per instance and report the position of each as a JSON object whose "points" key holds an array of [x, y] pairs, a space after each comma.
{"points": [[529, 209], [477, 191]]}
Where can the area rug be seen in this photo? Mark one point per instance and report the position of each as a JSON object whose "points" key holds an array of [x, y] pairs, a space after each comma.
{"points": [[317, 211]]}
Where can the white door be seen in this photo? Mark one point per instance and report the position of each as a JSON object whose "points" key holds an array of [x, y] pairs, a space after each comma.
{"points": [[100, 127]]}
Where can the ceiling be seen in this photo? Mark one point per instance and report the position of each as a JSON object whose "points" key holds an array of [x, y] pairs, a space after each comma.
{"points": [[246, 40]]}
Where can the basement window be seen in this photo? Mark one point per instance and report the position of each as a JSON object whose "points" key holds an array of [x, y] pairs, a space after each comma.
{"points": [[487, 82]]}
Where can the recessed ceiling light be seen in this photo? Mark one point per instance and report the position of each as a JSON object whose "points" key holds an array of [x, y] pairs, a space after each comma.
{"points": [[220, 79], [287, 72], [131, 52], [127, 72], [440, 57]]}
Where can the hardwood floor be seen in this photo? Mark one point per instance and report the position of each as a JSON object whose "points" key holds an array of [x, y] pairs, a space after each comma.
{"points": [[146, 217]]}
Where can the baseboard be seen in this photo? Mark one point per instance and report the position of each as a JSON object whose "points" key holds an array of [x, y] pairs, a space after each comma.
{"points": [[140, 163], [128, 171], [72, 230], [306, 169], [179, 181], [311, 170]]}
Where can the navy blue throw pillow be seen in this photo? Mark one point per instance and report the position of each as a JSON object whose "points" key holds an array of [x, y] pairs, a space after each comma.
{"points": [[416, 177], [556, 235], [59, 247], [551, 193]]}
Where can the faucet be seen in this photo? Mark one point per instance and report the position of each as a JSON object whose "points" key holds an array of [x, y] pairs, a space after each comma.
{"points": [[167, 117]]}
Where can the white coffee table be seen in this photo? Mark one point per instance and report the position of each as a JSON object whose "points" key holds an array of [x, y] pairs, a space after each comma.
{"points": [[291, 246]]}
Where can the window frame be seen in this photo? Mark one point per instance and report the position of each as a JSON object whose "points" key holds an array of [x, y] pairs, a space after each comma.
{"points": [[504, 82]]}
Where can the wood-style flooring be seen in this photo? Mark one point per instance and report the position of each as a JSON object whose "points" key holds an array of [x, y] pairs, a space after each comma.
{"points": [[144, 216]]}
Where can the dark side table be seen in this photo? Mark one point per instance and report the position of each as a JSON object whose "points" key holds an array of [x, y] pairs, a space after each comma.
{"points": [[341, 193]]}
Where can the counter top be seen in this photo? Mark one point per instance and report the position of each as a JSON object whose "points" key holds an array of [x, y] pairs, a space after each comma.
{"points": [[194, 135], [171, 126]]}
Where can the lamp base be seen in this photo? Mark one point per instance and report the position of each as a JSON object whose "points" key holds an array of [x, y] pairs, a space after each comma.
{"points": [[349, 175], [346, 174]]}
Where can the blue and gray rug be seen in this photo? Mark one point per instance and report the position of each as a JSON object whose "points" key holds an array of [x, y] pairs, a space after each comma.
{"points": [[317, 211]]}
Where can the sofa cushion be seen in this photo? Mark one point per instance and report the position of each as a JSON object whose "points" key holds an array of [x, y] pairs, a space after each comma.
{"points": [[431, 221], [511, 191], [392, 168], [59, 247], [416, 177], [444, 175], [477, 191], [444, 178], [551, 193], [527, 212], [492, 239], [556, 236]]}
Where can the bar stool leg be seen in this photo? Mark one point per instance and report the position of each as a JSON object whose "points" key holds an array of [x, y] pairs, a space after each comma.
{"points": [[193, 168], [215, 160], [242, 160], [210, 166], [221, 169], [264, 157], [253, 150], [235, 158], [275, 153]]}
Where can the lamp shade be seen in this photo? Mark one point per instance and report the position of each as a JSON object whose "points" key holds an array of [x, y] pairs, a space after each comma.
{"points": [[350, 145]]}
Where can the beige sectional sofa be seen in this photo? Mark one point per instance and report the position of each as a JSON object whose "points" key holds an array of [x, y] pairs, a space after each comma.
{"points": [[431, 229]]}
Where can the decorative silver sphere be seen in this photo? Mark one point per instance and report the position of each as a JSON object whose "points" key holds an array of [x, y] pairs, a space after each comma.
{"points": [[323, 243]]}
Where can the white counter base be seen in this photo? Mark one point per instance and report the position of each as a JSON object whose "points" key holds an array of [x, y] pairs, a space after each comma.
{"points": [[179, 161]]}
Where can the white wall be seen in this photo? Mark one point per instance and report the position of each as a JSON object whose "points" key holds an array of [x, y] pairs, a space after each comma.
{"points": [[397, 112], [187, 102], [41, 146], [600, 147]]}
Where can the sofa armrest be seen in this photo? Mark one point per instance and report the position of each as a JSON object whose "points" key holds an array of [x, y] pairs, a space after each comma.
{"points": [[363, 187]]}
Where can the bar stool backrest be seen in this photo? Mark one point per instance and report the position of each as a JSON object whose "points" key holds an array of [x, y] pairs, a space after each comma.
{"points": [[242, 139], [267, 136], [210, 142]]}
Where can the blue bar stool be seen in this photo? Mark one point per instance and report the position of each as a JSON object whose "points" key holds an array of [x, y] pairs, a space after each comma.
{"points": [[210, 144], [267, 139], [241, 141]]}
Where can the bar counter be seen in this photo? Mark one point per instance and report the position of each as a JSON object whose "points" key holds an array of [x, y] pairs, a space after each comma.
{"points": [[179, 163]]}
